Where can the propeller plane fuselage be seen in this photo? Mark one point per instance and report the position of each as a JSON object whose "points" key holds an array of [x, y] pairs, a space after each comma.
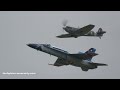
{"points": [[84, 31]]}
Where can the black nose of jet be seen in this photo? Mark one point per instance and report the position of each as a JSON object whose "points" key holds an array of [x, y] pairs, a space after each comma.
{"points": [[35, 46], [32, 45]]}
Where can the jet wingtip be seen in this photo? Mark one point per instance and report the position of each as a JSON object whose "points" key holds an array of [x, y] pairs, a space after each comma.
{"points": [[106, 64], [58, 36], [51, 64]]}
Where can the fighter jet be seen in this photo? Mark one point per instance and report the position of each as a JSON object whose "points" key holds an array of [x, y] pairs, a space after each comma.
{"points": [[84, 31], [80, 59]]}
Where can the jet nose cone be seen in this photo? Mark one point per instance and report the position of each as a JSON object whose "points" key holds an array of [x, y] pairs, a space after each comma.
{"points": [[28, 44], [32, 45], [35, 46]]}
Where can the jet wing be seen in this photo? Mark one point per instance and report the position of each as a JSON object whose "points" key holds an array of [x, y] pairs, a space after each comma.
{"points": [[60, 62], [64, 36], [81, 56], [99, 64], [85, 29]]}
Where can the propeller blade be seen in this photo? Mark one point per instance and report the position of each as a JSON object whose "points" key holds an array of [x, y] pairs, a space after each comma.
{"points": [[65, 22]]}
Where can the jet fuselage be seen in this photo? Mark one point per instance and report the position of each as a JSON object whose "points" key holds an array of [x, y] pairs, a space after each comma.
{"points": [[71, 60]]}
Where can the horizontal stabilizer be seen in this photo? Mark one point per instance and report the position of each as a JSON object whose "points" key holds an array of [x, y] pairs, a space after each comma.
{"points": [[100, 32]]}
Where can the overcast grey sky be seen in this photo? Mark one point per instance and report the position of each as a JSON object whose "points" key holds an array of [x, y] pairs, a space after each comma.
{"points": [[18, 28]]}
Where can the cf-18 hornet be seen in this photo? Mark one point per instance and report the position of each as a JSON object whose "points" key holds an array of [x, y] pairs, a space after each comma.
{"points": [[83, 60]]}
